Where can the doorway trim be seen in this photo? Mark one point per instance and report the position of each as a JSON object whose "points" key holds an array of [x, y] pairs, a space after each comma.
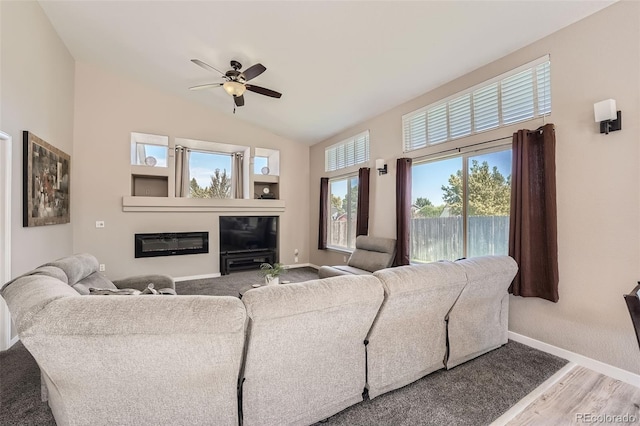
{"points": [[5, 235]]}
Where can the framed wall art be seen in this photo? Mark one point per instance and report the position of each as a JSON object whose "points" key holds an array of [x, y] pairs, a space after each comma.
{"points": [[46, 196]]}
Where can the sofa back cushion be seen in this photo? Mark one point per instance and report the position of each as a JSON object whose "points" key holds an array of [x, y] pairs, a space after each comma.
{"points": [[373, 253], [305, 352], [479, 319], [408, 338], [82, 272]]}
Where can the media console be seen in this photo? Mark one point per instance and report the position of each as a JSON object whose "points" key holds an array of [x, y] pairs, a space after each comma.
{"points": [[238, 261]]}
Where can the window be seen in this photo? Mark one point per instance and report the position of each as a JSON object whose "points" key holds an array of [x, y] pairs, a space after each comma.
{"points": [[347, 153], [149, 150], [519, 95], [259, 163], [461, 206], [209, 174], [343, 204]]}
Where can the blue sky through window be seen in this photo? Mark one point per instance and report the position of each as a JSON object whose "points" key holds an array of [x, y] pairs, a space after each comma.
{"points": [[203, 164]]}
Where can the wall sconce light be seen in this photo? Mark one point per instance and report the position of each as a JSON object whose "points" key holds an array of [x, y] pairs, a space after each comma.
{"points": [[608, 116], [381, 166]]}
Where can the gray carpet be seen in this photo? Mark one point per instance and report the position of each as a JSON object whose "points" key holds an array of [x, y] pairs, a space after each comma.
{"points": [[474, 393], [229, 285]]}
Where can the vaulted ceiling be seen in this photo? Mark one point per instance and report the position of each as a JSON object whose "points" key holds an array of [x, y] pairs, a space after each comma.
{"points": [[337, 63]]}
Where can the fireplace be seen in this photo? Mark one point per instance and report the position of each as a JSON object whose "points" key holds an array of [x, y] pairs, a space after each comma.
{"points": [[247, 241], [171, 244]]}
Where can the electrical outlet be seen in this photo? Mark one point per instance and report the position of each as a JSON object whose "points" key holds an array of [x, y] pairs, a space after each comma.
{"points": [[99, 223], [102, 268], [295, 259], [344, 258]]}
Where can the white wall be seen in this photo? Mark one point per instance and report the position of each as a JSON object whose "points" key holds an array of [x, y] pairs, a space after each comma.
{"points": [[597, 182], [36, 77], [107, 109]]}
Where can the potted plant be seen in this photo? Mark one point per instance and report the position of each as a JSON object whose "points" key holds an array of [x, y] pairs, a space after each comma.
{"points": [[272, 272]]}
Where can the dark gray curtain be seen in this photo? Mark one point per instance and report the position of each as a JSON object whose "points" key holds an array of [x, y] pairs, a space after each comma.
{"points": [[403, 210], [324, 213], [533, 223], [362, 218]]}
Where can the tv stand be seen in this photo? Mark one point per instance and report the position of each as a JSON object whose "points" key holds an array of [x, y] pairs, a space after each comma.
{"points": [[238, 261]]}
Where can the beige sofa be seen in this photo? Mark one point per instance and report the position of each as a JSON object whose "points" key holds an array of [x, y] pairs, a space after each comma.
{"points": [[290, 354]]}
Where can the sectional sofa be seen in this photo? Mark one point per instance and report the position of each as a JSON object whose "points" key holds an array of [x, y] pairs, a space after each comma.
{"points": [[286, 354]]}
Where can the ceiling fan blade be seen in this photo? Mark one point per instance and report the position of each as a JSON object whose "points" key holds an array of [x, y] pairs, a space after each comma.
{"points": [[239, 100], [205, 66], [263, 91], [253, 71], [205, 86]]}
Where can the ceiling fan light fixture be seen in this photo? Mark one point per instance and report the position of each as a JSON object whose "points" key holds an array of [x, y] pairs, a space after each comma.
{"points": [[234, 88]]}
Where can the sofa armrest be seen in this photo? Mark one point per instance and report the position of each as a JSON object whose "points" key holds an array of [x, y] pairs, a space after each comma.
{"points": [[140, 282]]}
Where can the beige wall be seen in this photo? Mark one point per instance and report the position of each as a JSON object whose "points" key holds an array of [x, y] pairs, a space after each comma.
{"points": [[597, 176], [37, 95], [107, 109]]}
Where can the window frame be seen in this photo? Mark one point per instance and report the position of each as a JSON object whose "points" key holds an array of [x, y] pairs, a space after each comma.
{"points": [[350, 214], [211, 152], [464, 155]]}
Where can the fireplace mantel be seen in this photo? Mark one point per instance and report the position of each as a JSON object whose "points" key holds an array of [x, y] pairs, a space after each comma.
{"points": [[175, 204]]}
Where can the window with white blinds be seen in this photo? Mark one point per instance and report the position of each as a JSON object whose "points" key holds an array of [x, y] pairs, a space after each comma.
{"points": [[518, 95], [349, 152]]}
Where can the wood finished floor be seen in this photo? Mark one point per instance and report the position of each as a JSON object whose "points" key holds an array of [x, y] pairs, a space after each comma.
{"points": [[583, 396]]}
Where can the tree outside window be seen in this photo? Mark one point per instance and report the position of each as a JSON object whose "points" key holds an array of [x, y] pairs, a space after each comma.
{"points": [[343, 203]]}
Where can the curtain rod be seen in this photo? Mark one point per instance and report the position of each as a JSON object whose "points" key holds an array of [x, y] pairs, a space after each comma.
{"points": [[469, 146]]}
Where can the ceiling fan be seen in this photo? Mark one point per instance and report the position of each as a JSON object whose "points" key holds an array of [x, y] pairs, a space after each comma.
{"points": [[235, 82]]}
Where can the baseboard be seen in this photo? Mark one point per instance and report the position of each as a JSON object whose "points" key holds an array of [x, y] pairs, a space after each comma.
{"points": [[590, 363], [197, 277], [301, 265], [13, 341]]}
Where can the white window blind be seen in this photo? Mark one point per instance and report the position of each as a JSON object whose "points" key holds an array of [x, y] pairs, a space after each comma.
{"points": [[486, 113], [347, 153], [460, 116], [518, 95]]}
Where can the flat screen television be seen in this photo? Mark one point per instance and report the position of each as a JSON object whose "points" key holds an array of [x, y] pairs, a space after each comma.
{"points": [[248, 233]]}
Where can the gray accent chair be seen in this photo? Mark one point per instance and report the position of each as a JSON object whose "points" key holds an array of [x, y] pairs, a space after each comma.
{"points": [[305, 358], [408, 338], [371, 254], [478, 321], [143, 360]]}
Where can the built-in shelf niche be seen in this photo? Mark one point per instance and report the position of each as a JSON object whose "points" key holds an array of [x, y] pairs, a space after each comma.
{"points": [[149, 186]]}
